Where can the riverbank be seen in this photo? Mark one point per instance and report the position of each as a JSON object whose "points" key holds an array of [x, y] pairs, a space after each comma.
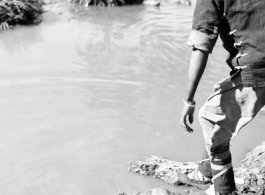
{"points": [[250, 176], [87, 3], [13, 12]]}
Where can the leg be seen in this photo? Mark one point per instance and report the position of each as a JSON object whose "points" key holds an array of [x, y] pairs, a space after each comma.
{"points": [[230, 108], [220, 162]]}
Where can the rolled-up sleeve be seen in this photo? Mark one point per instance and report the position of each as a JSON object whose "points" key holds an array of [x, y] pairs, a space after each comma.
{"points": [[205, 27]]}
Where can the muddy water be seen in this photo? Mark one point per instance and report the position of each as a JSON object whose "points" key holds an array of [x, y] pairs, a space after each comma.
{"points": [[92, 89]]}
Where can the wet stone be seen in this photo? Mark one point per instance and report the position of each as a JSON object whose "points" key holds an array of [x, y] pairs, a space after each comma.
{"points": [[162, 168]]}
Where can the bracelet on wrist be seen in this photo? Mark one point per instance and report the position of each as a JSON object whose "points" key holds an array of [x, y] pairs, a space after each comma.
{"points": [[188, 104]]}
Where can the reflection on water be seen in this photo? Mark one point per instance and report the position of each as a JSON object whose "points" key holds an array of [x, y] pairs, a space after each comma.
{"points": [[130, 47], [92, 89]]}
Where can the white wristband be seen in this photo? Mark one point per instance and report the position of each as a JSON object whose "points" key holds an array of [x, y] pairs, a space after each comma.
{"points": [[187, 104]]}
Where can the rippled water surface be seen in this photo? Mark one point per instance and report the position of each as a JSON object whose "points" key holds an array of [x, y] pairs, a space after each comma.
{"points": [[90, 90]]}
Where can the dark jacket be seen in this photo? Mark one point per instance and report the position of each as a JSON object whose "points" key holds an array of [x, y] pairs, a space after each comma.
{"points": [[241, 26]]}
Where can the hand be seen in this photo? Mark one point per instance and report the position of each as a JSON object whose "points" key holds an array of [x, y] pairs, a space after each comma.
{"points": [[187, 114]]}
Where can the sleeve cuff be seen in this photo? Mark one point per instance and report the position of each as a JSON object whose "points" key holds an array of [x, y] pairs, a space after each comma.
{"points": [[201, 41]]}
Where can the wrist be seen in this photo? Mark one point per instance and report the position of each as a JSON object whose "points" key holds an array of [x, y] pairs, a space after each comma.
{"points": [[189, 103]]}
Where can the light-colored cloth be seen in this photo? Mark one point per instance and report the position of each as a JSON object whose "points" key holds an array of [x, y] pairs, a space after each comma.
{"points": [[231, 107]]}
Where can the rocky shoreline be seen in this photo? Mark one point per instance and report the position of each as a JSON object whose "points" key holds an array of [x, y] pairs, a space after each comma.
{"points": [[250, 176]]}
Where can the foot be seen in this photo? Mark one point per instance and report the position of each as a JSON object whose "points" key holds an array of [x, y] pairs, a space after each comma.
{"points": [[197, 175], [184, 179]]}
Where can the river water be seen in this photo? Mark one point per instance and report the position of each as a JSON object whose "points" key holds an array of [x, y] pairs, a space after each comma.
{"points": [[90, 90]]}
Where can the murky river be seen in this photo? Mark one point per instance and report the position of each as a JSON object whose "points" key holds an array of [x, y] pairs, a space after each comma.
{"points": [[90, 90]]}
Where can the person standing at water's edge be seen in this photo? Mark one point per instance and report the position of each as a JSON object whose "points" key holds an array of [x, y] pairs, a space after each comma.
{"points": [[236, 99]]}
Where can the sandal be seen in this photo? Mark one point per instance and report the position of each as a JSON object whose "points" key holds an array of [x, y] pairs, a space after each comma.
{"points": [[184, 179]]}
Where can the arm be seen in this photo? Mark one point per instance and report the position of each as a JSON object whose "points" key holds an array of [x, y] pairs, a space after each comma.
{"points": [[197, 65], [198, 61], [207, 19]]}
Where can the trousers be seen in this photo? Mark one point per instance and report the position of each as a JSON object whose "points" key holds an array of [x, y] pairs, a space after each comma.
{"points": [[224, 114]]}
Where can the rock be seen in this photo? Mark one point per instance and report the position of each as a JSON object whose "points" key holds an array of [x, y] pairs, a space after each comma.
{"points": [[162, 168], [252, 170], [255, 158]]}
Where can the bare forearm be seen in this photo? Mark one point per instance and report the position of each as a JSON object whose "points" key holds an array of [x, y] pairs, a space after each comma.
{"points": [[197, 66]]}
